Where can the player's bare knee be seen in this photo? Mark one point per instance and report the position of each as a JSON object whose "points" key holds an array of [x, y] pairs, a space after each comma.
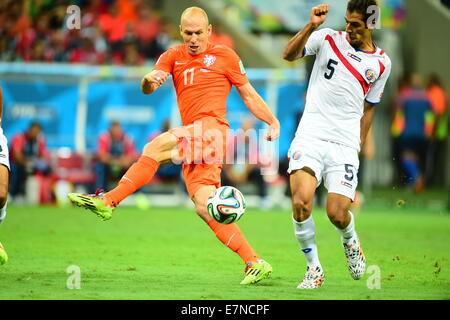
{"points": [[301, 208], [160, 147], [3, 201], [337, 216], [202, 211], [3, 195]]}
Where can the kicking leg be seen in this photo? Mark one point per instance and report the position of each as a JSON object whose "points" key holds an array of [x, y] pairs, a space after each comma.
{"points": [[159, 151]]}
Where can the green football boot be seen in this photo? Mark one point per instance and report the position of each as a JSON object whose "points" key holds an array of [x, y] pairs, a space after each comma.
{"points": [[93, 202], [255, 272]]}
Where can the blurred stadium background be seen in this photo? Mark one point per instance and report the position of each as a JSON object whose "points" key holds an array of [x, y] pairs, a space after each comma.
{"points": [[75, 82]]}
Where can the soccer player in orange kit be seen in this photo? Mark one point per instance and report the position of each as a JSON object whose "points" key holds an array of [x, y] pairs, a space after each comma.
{"points": [[202, 75]]}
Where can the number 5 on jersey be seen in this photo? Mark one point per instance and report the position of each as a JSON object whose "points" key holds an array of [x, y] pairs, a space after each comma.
{"points": [[186, 76], [330, 66]]}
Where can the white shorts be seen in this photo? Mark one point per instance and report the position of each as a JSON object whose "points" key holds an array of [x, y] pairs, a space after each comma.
{"points": [[4, 160], [335, 163], [4, 152]]}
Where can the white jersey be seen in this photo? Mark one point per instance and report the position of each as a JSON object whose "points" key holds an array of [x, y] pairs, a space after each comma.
{"points": [[342, 78]]}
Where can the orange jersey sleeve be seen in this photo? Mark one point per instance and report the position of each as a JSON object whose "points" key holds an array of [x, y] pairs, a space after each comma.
{"points": [[235, 70], [166, 60], [203, 82]]}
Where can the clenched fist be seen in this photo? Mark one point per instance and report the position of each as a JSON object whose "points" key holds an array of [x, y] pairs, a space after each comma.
{"points": [[319, 14]]}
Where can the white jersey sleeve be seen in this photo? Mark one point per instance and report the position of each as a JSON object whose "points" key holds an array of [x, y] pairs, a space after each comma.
{"points": [[315, 41], [376, 91]]}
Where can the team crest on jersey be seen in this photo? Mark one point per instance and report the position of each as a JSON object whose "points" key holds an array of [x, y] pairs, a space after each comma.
{"points": [[209, 60], [370, 75], [296, 155]]}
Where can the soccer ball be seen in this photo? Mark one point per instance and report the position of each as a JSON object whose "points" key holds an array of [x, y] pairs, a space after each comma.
{"points": [[226, 205]]}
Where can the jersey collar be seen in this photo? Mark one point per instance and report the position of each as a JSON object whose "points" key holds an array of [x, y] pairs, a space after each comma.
{"points": [[358, 50]]}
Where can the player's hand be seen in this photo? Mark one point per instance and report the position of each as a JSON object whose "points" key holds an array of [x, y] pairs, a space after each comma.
{"points": [[319, 14], [157, 76], [274, 131]]}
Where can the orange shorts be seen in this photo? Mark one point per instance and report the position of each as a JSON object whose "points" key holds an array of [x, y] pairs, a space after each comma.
{"points": [[201, 148]]}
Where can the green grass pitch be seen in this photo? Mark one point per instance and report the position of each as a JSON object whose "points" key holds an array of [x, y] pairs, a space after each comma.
{"points": [[169, 253]]}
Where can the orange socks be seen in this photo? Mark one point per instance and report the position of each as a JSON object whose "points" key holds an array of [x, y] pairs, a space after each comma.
{"points": [[138, 175], [232, 237]]}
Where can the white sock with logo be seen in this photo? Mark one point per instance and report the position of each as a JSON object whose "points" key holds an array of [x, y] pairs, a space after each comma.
{"points": [[348, 233], [305, 233]]}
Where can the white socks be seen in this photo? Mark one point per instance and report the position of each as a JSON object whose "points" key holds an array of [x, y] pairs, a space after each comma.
{"points": [[2, 214], [305, 233], [349, 234]]}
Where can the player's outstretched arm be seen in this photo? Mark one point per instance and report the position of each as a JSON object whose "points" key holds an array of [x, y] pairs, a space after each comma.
{"points": [[153, 80], [259, 108], [366, 121], [295, 46]]}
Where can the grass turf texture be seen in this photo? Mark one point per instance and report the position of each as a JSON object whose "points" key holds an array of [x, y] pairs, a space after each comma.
{"points": [[169, 253]]}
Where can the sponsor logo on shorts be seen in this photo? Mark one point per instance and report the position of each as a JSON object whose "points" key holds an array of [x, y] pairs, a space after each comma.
{"points": [[2, 156], [344, 183]]}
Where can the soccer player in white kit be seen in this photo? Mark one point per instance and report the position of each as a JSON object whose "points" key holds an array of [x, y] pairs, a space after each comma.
{"points": [[346, 83], [4, 177]]}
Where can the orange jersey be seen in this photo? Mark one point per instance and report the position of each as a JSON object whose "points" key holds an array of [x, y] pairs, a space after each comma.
{"points": [[203, 81]]}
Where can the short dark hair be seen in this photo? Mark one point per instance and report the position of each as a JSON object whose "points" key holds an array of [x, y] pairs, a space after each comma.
{"points": [[35, 124], [361, 6]]}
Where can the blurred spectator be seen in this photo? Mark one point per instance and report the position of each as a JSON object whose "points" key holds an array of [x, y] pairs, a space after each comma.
{"points": [[397, 124], [413, 114], [128, 9], [6, 52], [95, 8], [169, 172], [57, 47], [219, 38], [129, 56], [116, 152], [87, 53], [147, 28], [36, 31], [38, 53], [113, 25], [29, 157], [438, 98], [167, 38], [22, 20], [247, 162], [92, 30]]}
